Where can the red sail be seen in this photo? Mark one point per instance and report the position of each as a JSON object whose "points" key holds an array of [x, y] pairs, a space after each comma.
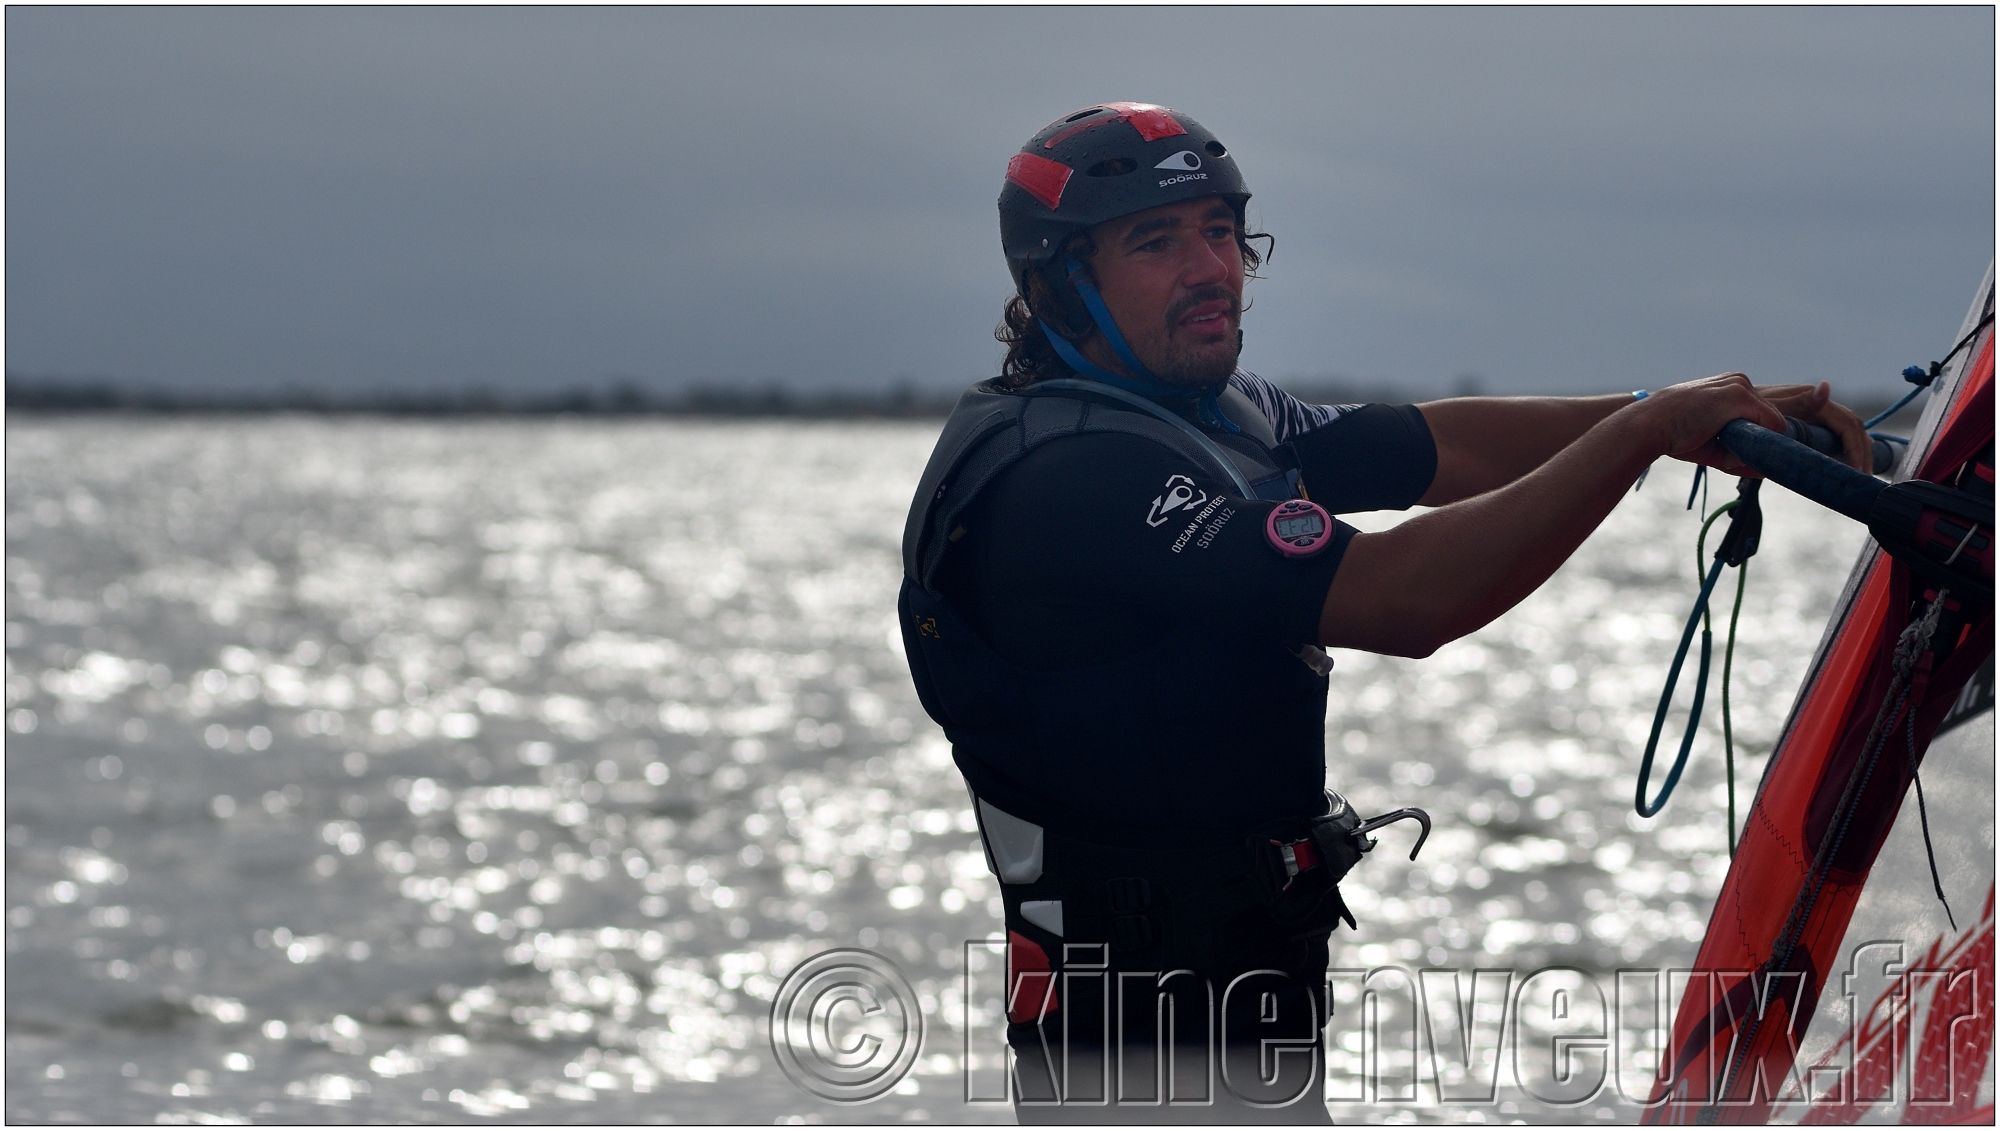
{"points": [[1773, 941]]}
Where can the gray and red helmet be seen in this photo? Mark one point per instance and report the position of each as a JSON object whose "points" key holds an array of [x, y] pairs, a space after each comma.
{"points": [[1103, 162]]}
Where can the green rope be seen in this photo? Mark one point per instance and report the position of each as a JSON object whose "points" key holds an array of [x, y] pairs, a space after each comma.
{"points": [[1728, 736], [1728, 658]]}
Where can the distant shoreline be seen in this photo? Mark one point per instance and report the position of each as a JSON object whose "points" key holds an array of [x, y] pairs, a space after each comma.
{"points": [[32, 396], [618, 400], [896, 403]]}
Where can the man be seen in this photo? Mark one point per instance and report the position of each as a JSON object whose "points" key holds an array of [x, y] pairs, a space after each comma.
{"points": [[1121, 571]]}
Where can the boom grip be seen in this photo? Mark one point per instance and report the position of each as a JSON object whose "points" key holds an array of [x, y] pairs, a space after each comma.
{"points": [[1826, 442], [1822, 479], [1943, 534]]}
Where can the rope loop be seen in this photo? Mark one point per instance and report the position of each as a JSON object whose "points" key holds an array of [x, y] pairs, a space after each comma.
{"points": [[1673, 778], [1739, 543]]}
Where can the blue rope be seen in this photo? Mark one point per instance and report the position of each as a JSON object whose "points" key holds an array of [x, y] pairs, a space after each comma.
{"points": [[1897, 407], [1920, 377]]}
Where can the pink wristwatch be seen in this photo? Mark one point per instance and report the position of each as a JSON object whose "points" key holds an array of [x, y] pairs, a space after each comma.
{"points": [[1298, 528]]}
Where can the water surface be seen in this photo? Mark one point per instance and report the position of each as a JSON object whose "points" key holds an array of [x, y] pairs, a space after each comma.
{"points": [[425, 771]]}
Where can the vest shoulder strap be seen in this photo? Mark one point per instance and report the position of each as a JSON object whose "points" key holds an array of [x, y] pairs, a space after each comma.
{"points": [[983, 411], [992, 428], [1244, 413]]}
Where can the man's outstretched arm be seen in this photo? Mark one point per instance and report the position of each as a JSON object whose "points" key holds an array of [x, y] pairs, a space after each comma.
{"points": [[1408, 590], [1484, 443]]}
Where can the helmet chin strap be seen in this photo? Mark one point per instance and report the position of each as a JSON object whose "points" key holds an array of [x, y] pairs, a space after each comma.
{"points": [[1142, 380]]}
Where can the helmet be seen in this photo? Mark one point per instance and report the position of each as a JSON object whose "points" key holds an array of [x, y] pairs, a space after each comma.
{"points": [[1103, 162]]}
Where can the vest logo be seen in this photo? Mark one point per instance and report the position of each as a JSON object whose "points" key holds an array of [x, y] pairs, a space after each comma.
{"points": [[1186, 159], [1181, 495], [927, 626]]}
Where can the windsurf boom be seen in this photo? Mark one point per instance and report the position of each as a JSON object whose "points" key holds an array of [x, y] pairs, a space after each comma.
{"points": [[1904, 658]]}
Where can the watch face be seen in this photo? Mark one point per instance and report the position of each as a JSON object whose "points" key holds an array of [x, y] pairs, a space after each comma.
{"points": [[1309, 523], [1298, 528]]}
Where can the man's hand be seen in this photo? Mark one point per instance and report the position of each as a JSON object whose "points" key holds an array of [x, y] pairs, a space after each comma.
{"points": [[1815, 405], [1811, 403], [1684, 419]]}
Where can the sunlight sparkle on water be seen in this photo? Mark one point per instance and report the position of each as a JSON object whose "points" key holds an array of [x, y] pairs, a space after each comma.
{"points": [[497, 769]]}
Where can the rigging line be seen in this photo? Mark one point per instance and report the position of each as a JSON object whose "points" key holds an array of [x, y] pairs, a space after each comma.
{"points": [[1728, 661], [1969, 335], [1914, 639], [1728, 732], [1673, 777], [1700, 616], [1910, 644], [1893, 409], [1927, 379], [1924, 817]]}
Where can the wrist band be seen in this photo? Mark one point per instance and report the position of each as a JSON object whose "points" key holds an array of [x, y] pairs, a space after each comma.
{"points": [[1640, 394]]}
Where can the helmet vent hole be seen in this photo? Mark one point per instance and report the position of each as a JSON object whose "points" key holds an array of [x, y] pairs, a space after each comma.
{"points": [[1115, 167], [1215, 149], [1082, 114]]}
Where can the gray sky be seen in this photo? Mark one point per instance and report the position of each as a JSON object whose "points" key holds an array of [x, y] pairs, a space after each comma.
{"points": [[1552, 198]]}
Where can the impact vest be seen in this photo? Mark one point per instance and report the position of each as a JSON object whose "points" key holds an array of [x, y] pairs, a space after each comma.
{"points": [[1198, 737], [1144, 814]]}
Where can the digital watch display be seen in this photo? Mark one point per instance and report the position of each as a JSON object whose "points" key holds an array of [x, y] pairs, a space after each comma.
{"points": [[1298, 528]]}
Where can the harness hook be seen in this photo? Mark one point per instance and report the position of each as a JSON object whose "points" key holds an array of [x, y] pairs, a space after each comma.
{"points": [[1406, 814]]}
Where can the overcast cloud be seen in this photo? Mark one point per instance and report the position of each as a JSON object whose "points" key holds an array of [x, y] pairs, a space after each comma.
{"points": [[1552, 198]]}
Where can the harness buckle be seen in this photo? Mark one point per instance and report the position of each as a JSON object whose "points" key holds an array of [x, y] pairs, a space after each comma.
{"points": [[1298, 857], [1334, 843]]}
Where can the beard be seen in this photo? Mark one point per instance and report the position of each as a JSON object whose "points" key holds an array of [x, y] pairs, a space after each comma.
{"points": [[1191, 364]]}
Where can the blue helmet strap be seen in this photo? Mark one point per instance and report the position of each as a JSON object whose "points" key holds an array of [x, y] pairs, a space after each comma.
{"points": [[1142, 381], [1086, 286]]}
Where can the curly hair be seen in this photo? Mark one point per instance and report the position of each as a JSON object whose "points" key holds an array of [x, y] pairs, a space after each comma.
{"points": [[1050, 299]]}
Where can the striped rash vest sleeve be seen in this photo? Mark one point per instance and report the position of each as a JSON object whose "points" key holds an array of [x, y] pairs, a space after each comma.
{"points": [[1290, 417], [1353, 457]]}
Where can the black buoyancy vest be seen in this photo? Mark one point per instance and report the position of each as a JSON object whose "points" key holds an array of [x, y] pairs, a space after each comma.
{"points": [[1200, 736]]}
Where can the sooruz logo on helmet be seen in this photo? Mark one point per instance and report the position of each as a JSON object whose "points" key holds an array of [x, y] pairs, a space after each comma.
{"points": [[1088, 167], [1185, 159]]}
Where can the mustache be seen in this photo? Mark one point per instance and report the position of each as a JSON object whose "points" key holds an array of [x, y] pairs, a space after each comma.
{"points": [[1205, 294]]}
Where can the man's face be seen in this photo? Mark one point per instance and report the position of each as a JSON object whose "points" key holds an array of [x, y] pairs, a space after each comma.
{"points": [[1173, 278]]}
